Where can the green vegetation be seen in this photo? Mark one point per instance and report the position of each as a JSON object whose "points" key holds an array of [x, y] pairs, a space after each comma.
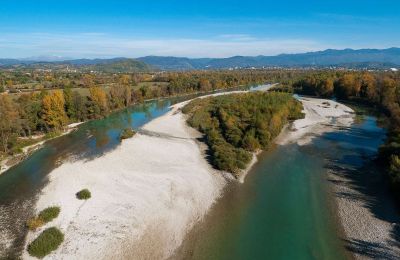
{"points": [[83, 194], [49, 214], [48, 241], [43, 217], [238, 124], [127, 133]]}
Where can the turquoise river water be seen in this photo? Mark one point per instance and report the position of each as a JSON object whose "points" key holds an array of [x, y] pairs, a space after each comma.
{"points": [[282, 211]]}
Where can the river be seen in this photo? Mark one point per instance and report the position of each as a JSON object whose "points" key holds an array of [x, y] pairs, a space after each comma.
{"points": [[284, 209]]}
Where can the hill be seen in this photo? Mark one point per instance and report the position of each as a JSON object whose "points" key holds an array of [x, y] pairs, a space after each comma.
{"points": [[115, 65], [380, 59]]}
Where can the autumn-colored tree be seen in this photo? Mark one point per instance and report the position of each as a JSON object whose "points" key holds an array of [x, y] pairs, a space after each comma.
{"points": [[326, 87], [125, 80], [347, 86], [204, 85], [99, 102], [368, 87], [53, 110]]}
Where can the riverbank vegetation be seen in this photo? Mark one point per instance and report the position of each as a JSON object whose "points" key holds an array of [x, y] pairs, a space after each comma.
{"points": [[237, 125], [38, 103]]}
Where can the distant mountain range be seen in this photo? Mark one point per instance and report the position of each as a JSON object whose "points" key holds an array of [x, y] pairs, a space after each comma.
{"points": [[347, 58]]}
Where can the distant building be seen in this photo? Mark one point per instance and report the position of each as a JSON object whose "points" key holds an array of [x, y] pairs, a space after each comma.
{"points": [[394, 69]]}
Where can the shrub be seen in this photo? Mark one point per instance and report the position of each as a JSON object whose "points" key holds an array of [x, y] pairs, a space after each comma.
{"points": [[49, 214], [48, 241], [44, 217], [83, 194], [127, 133]]}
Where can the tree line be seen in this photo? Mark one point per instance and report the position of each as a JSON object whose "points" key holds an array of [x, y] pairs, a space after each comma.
{"points": [[51, 110]]}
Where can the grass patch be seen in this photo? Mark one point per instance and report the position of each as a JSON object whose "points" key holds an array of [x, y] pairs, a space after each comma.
{"points": [[127, 133], [83, 194], [44, 217], [48, 241]]}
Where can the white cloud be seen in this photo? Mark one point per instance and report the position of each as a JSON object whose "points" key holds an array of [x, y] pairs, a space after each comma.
{"points": [[92, 45]]}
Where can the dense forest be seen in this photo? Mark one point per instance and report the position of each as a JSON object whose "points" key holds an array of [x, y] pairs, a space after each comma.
{"points": [[380, 90], [238, 124]]}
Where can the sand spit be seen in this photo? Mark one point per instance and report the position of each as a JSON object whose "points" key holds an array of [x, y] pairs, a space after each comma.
{"points": [[321, 115], [146, 194]]}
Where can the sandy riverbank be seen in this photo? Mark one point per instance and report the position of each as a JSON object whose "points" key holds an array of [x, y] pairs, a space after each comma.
{"points": [[145, 195], [148, 192]]}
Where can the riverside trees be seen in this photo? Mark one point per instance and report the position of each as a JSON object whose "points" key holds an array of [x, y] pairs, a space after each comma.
{"points": [[238, 124]]}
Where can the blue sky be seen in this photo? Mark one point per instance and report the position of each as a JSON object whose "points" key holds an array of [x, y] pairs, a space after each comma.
{"points": [[193, 28]]}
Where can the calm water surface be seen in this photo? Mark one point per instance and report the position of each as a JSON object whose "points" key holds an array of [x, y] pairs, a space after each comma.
{"points": [[284, 210]]}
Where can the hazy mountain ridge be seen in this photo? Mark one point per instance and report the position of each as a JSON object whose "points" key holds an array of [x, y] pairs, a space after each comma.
{"points": [[320, 58], [347, 58]]}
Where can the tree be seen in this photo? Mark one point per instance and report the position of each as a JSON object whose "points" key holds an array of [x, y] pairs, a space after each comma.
{"points": [[69, 105], [117, 96], [53, 113], [98, 102], [326, 87], [368, 87], [347, 86], [30, 106], [9, 123]]}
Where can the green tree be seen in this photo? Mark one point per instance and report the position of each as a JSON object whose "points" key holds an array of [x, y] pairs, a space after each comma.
{"points": [[9, 123]]}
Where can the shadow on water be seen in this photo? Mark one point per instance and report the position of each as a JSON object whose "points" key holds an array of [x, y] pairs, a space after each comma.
{"points": [[358, 178]]}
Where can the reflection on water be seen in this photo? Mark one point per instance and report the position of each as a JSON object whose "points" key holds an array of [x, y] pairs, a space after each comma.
{"points": [[283, 210]]}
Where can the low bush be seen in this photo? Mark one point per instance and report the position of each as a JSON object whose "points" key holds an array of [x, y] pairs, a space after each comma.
{"points": [[83, 194], [49, 214], [44, 217], [127, 133], [48, 241]]}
